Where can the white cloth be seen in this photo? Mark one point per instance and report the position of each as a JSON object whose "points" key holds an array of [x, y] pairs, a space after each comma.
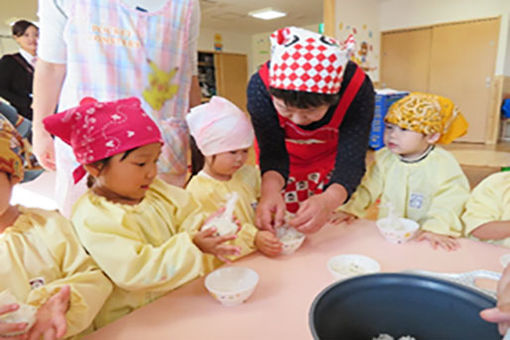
{"points": [[28, 57], [53, 18]]}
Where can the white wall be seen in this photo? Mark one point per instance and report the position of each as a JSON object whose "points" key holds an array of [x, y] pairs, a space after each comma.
{"points": [[261, 47], [360, 18], [396, 14]]}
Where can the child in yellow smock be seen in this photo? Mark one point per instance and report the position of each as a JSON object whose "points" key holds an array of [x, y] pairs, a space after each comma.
{"points": [[132, 223], [487, 215], [43, 263], [419, 179], [224, 134]]}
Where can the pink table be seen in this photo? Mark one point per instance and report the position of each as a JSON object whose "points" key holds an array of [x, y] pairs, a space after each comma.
{"points": [[278, 309]]}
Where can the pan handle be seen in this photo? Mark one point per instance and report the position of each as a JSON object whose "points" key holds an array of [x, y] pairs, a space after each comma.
{"points": [[467, 279]]}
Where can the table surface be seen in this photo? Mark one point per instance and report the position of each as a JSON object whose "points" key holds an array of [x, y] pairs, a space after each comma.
{"points": [[279, 307]]}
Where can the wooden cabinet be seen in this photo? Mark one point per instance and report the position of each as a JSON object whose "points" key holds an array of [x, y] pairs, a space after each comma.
{"points": [[223, 74], [455, 60]]}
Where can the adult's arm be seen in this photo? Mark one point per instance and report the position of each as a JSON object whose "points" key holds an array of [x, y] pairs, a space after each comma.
{"points": [[270, 136], [48, 81], [353, 136]]}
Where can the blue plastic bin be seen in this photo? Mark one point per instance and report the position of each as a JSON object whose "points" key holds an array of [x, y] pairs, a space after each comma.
{"points": [[505, 108], [383, 101]]}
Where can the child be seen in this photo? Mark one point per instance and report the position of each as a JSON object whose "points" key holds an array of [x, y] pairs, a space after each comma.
{"points": [[487, 215], [129, 221], [419, 179], [224, 134], [43, 263]]}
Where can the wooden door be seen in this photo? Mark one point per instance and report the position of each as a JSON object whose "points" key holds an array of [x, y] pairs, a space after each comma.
{"points": [[462, 68], [232, 77], [405, 59]]}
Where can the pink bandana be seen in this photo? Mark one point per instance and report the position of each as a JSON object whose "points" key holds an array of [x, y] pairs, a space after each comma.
{"points": [[302, 60], [220, 126], [98, 130]]}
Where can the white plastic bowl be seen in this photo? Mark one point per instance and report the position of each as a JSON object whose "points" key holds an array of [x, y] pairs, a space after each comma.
{"points": [[291, 239], [349, 265], [397, 233], [231, 285]]}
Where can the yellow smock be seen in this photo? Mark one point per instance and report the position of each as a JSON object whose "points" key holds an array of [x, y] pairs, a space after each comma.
{"points": [[143, 248], [432, 191], [212, 194], [489, 201], [39, 254]]}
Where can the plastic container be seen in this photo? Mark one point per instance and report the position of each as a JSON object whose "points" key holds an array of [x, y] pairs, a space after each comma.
{"points": [[399, 230], [346, 266], [232, 285], [290, 238]]}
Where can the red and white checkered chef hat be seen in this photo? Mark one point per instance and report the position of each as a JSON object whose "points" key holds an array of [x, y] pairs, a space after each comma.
{"points": [[302, 60]]}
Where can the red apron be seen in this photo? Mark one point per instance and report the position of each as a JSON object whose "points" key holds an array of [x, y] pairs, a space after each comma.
{"points": [[312, 154]]}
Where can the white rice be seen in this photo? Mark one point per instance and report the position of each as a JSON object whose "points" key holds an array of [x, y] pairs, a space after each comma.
{"points": [[389, 337]]}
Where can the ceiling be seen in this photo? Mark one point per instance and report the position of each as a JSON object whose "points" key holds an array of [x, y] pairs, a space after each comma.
{"points": [[227, 15], [232, 15]]}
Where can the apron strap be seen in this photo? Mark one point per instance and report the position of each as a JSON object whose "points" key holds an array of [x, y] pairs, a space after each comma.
{"points": [[350, 92]]}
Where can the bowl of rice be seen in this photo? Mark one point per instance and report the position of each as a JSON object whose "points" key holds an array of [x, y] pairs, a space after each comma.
{"points": [[231, 285], [290, 238], [397, 230], [345, 266]]}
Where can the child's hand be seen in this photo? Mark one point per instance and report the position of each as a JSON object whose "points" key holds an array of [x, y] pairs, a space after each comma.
{"points": [[446, 242], [6, 328], [268, 243], [338, 217], [51, 321], [207, 242]]}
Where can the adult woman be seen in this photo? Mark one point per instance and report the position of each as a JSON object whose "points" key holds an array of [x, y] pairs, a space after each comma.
{"points": [[17, 70], [110, 50], [311, 109]]}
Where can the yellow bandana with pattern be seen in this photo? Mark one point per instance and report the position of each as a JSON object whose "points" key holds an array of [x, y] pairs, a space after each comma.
{"points": [[11, 148], [428, 114]]}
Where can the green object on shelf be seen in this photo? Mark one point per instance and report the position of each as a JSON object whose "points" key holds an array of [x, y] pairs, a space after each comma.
{"points": [[321, 28], [505, 168]]}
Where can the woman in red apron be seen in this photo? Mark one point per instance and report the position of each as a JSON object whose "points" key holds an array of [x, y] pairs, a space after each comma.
{"points": [[311, 109]]}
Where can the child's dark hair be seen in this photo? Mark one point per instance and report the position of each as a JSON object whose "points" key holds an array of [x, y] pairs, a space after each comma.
{"points": [[197, 158], [20, 26], [103, 162], [304, 100]]}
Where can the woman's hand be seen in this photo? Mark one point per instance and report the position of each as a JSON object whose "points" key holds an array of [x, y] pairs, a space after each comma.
{"points": [[270, 212], [43, 147], [6, 328], [316, 211], [443, 241], [501, 314], [271, 207], [51, 321], [268, 243]]}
